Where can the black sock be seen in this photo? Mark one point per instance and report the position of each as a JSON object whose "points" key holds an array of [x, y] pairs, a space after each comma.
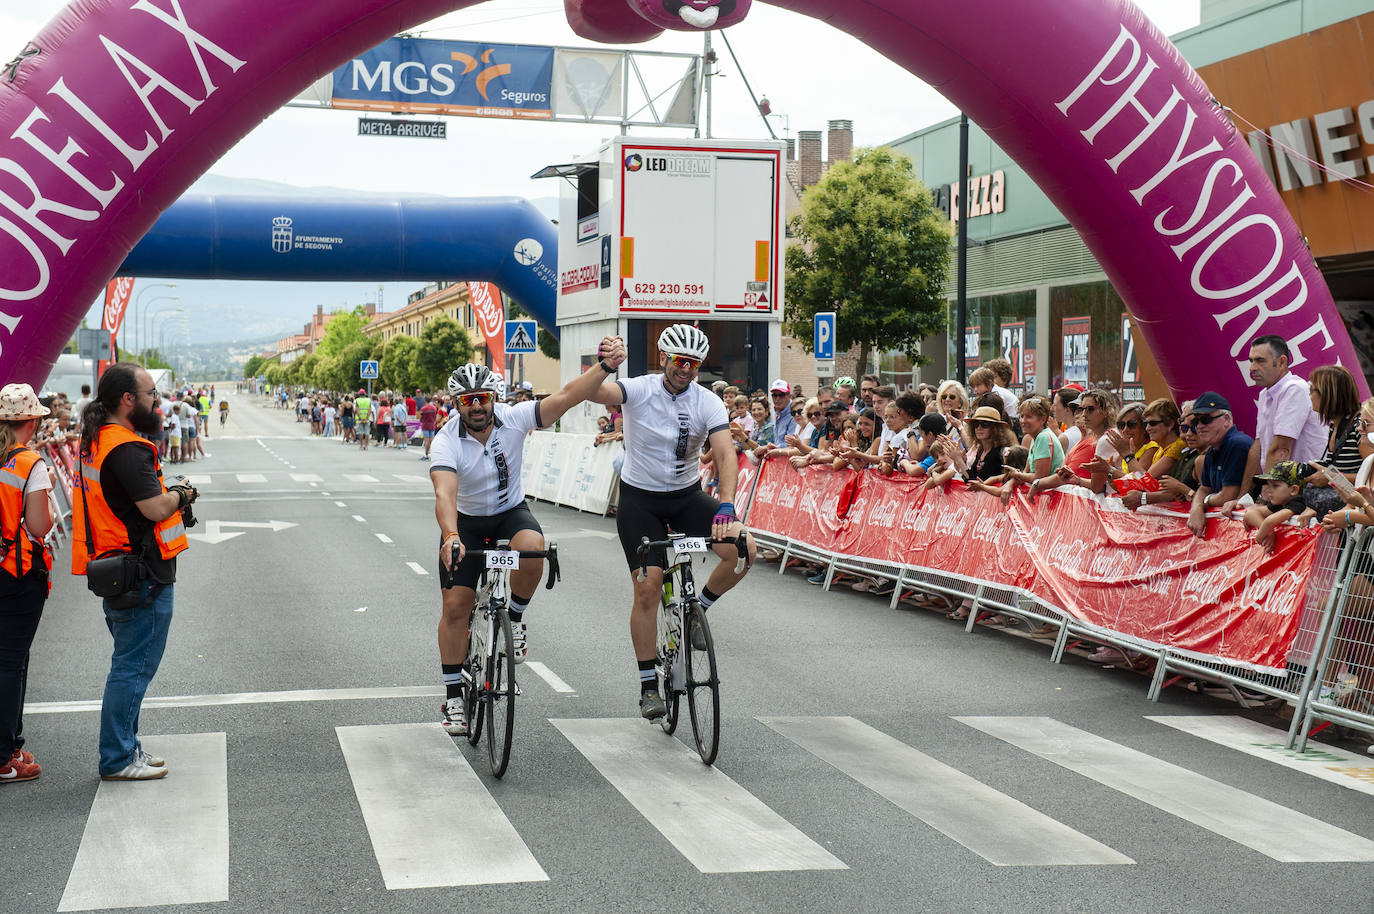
{"points": [[706, 598], [516, 608], [453, 679], [648, 682]]}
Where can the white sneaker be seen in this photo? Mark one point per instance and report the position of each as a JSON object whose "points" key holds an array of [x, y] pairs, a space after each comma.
{"points": [[519, 649], [137, 770], [454, 722], [152, 761]]}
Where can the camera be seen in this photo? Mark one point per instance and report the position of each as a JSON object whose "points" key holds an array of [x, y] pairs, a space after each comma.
{"points": [[188, 520]]}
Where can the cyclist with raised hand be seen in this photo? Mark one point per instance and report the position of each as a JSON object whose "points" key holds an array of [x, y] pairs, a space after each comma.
{"points": [[667, 418], [475, 464]]}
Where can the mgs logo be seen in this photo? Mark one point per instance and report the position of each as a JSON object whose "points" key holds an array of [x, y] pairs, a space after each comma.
{"points": [[634, 162], [281, 234]]}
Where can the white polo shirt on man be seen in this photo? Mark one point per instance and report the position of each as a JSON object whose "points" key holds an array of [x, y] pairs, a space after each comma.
{"points": [[488, 474], [1286, 409]]}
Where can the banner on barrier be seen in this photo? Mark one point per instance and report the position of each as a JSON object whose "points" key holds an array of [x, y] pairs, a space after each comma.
{"points": [[1142, 576], [568, 469]]}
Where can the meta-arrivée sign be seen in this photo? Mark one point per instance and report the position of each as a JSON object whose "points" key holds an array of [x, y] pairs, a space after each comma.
{"points": [[449, 77]]}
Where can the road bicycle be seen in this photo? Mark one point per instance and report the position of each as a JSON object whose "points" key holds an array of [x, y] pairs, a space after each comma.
{"points": [[680, 664], [489, 673]]}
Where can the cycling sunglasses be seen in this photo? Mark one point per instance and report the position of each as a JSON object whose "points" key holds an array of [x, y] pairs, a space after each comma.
{"points": [[480, 398], [684, 362]]}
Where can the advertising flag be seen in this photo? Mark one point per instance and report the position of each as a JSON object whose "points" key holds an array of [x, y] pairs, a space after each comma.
{"points": [[117, 294], [490, 312]]}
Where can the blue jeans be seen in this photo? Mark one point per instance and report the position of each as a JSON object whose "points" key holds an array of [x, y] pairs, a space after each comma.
{"points": [[140, 636]]}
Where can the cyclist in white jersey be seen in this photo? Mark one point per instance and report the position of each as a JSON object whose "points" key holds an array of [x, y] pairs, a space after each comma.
{"points": [[475, 465], [667, 419]]}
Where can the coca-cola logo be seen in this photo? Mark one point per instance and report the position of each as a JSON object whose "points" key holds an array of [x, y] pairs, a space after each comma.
{"points": [[1205, 586], [491, 315], [885, 513], [116, 300], [1276, 595]]}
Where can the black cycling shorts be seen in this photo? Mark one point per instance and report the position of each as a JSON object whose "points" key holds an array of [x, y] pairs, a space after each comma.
{"points": [[481, 533], [643, 513]]}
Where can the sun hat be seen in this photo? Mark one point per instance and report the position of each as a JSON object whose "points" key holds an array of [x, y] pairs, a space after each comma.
{"points": [[988, 414], [18, 402]]}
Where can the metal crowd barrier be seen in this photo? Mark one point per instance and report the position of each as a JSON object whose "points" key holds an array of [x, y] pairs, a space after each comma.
{"points": [[1333, 645]]}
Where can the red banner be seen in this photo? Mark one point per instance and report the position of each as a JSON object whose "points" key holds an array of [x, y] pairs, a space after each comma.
{"points": [[118, 291], [1145, 577], [491, 317]]}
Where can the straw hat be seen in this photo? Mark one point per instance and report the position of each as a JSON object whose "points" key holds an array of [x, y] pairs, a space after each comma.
{"points": [[18, 402], [988, 414]]}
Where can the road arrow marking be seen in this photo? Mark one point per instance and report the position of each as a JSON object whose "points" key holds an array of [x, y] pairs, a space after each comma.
{"points": [[213, 535], [276, 526]]}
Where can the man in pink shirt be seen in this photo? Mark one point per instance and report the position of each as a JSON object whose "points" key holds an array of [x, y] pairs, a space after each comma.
{"points": [[1288, 428], [429, 414]]}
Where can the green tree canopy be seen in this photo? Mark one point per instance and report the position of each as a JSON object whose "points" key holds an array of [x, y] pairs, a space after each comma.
{"points": [[253, 366], [343, 329], [396, 363], [872, 248], [444, 345]]}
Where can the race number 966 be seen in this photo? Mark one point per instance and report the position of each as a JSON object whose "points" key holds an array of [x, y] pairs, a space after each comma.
{"points": [[689, 544], [503, 560]]}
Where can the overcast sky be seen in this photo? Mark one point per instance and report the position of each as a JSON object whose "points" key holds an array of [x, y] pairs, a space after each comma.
{"points": [[491, 156]]}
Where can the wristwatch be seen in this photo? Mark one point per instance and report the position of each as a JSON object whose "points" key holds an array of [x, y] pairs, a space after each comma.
{"points": [[604, 367]]}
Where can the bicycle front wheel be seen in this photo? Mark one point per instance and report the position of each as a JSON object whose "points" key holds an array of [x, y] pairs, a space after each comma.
{"points": [[472, 698], [703, 692], [500, 696]]}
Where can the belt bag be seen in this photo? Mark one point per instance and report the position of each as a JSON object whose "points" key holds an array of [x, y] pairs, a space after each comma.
{"points": [[113, 574]]}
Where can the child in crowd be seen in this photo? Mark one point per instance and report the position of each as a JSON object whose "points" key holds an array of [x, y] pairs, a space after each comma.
{"points": [[932, 426], [1281, 498]]}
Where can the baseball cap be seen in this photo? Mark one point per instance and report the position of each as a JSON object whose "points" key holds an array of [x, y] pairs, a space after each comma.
{"points": [[835, 406], [1211, 402], [526, 385], [1074, 386], [780, 386], [361, 392], [1287, 471]]}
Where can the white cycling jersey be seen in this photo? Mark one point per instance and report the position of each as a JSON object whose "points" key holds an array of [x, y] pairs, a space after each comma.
{"points": [[488, 475], [664, 432]]}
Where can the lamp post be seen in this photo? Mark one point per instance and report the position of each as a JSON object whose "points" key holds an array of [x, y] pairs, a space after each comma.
{"points": [[145, 334], [139, 298], [152, 322], [179, 327]]}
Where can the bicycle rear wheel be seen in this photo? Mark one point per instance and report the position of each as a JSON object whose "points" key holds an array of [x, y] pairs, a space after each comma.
{"points": [[500, 695], [703, 692]]}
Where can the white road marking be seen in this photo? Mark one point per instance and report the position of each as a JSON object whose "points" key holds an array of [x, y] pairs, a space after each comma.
{"points": [[1000, 829], [158, 843], [341, 504], [716, 824], [386, 539], [360, 519], [549, 676], [584, 533], [424, 836], [1273, 830], [245, 698], [407, 478], [359, 477], [416, 567], [199, 480], [251, 477], [1330, 763]]}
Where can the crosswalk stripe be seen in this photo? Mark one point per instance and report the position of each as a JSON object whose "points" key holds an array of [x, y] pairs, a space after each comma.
{"points": [[359, 477], [307, 477], [403, 477], [161, 842], [1273, 830], [198, 479], [251, 477], [553, 679], [383, 537], [431, 821], [712, 821], [1000, 829], [1330, 763], [417, 567]]}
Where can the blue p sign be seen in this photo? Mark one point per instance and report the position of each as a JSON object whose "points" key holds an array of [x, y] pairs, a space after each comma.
{"points": [[825, 335]]}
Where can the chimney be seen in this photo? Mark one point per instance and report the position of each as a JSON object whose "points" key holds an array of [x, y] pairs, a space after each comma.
{"points": [[370, 310], [840, 142], [809, 156]]}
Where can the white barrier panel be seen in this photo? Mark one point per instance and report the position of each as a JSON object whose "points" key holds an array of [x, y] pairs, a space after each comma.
{"points": [[567, 469]]}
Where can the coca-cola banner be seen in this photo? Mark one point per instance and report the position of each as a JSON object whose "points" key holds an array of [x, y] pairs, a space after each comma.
{"points": [[490, 312], [1144, 577], [118, 291]]}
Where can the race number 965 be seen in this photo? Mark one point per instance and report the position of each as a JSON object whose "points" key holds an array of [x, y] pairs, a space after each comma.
{"points": [[503, 560]]}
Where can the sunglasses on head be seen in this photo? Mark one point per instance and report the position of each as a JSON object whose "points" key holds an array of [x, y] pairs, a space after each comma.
{"points": [[1127, 423], [684, 362], [480, 398]]}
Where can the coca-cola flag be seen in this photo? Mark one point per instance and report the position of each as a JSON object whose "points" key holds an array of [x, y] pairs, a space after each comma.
{"points": [[117, 294], [491, 317]]}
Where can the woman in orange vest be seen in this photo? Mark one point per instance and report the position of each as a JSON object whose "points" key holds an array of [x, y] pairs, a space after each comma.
{"points": [[24, 521], [121, 505]]}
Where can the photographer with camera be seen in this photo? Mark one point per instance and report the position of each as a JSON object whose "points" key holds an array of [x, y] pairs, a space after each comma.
{"points": [[128, 528]]}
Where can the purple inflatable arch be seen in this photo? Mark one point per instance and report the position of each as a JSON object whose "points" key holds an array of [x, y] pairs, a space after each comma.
{"points": [[117, 106]]}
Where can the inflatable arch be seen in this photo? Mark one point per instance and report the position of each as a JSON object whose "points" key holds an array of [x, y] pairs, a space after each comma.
{"points": [[505, 240], [116, 106]]}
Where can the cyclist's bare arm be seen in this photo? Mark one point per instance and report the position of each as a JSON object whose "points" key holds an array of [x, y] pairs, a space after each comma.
{"points": [[727, 464], [446, 512], [585, 387]]}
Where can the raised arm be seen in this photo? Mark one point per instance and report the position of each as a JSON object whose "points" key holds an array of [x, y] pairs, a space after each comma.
{"points": [[588, 386]]}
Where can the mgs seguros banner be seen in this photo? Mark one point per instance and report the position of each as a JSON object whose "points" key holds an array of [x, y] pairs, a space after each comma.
{"points": [[424, 75]]}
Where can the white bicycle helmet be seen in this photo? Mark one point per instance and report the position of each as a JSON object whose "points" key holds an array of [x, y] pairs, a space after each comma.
{"points": [[471, 378], [684, 339]]}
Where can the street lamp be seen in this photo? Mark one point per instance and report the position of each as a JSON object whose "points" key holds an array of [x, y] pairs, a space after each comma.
{"points": [[152, 321], [179, 327], [138, 298], [145, 332]]}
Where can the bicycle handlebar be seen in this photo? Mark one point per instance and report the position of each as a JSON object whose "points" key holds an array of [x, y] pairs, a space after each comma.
{"points": [[645, 544], [551, 553]]}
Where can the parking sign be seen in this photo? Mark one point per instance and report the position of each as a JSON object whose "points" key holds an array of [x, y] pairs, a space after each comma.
{"points": [[825, 335]]}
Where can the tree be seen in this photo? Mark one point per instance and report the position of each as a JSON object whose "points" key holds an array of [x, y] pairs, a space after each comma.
{"points": [[343, 329], [253, 366], [444, 345], [872, 248], [395, 367]]}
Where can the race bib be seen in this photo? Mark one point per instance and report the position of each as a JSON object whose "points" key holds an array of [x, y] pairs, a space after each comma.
{"points": [[503, 559]]}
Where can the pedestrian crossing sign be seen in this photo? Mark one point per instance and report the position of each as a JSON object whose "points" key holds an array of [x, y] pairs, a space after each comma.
{"points": [[520, 336], [367, 369]]}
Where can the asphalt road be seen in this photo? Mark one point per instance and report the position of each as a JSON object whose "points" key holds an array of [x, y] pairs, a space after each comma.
{"points": [[871, 760]]}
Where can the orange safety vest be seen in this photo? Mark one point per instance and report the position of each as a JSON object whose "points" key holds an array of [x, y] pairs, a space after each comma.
{"points": [[21, 547], [108, 533]]}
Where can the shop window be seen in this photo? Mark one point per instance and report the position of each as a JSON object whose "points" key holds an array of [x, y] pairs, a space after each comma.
{"points": [[1001, 325], [1085, 335]]}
